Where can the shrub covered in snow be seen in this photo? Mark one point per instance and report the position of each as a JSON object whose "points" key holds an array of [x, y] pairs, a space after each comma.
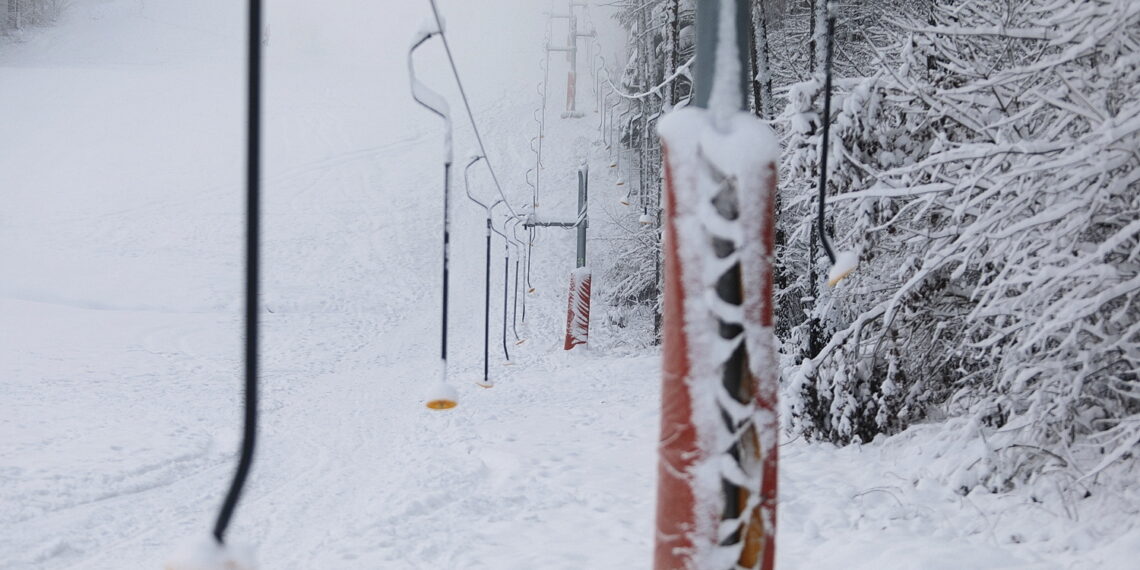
{"points": [[989, 175]]}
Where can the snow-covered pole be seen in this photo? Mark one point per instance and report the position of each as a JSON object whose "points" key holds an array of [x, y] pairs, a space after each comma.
{"points": [[719, 431], [441, 395], [583, 217], [572, 75], [578, 311]]}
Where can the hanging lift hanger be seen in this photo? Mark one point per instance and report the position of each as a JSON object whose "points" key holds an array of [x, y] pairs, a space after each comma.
{"points": [[488, 208], [519, 245], [843, 263], [440, 395], [506, 277]]}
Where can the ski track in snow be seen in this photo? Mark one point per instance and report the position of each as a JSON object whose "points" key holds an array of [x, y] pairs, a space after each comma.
{"points": [[120, 327]]}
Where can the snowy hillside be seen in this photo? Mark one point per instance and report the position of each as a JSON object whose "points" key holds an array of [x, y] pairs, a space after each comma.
{"points": [[121, 154]]}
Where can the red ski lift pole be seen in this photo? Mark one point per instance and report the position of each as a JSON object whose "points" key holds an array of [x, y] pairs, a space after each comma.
{"points": [[719, 431], [578, 310]]}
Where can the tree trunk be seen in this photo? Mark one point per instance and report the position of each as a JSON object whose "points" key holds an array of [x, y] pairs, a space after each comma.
{"points": [[13, 16], [674, 49]]}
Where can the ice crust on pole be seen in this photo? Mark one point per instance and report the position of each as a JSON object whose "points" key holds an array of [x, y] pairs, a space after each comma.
{"points": [[720, 193], [742, 149]]}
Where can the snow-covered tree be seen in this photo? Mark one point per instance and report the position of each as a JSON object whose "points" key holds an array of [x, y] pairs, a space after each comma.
{"points": [[988, 173], [20, 13], [653, 81]]}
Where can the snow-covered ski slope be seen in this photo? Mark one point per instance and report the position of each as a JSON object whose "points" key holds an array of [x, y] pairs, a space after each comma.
{"points": [[120, 266]]}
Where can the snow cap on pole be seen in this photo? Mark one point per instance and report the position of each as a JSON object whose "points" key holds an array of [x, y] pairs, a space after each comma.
{"points": [[721, 74], [717, 508]]}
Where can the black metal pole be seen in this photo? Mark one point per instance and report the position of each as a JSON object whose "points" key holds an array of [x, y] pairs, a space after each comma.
{"points": [[252, 270], [583, 181], [821, 221], [529, 249], [515, 301], [506, 276], [446, 256], [487, 304]]}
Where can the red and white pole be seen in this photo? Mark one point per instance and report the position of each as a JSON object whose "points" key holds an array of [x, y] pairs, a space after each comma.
{"points": [[719, 349], [717, 469], [578, 313]]}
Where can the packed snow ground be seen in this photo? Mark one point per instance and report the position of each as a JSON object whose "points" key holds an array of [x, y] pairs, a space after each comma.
{"points": [[120, 266]]}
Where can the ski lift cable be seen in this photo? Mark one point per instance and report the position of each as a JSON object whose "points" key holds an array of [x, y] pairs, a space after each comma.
{"points": [[252, 272], [467, 106]]}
